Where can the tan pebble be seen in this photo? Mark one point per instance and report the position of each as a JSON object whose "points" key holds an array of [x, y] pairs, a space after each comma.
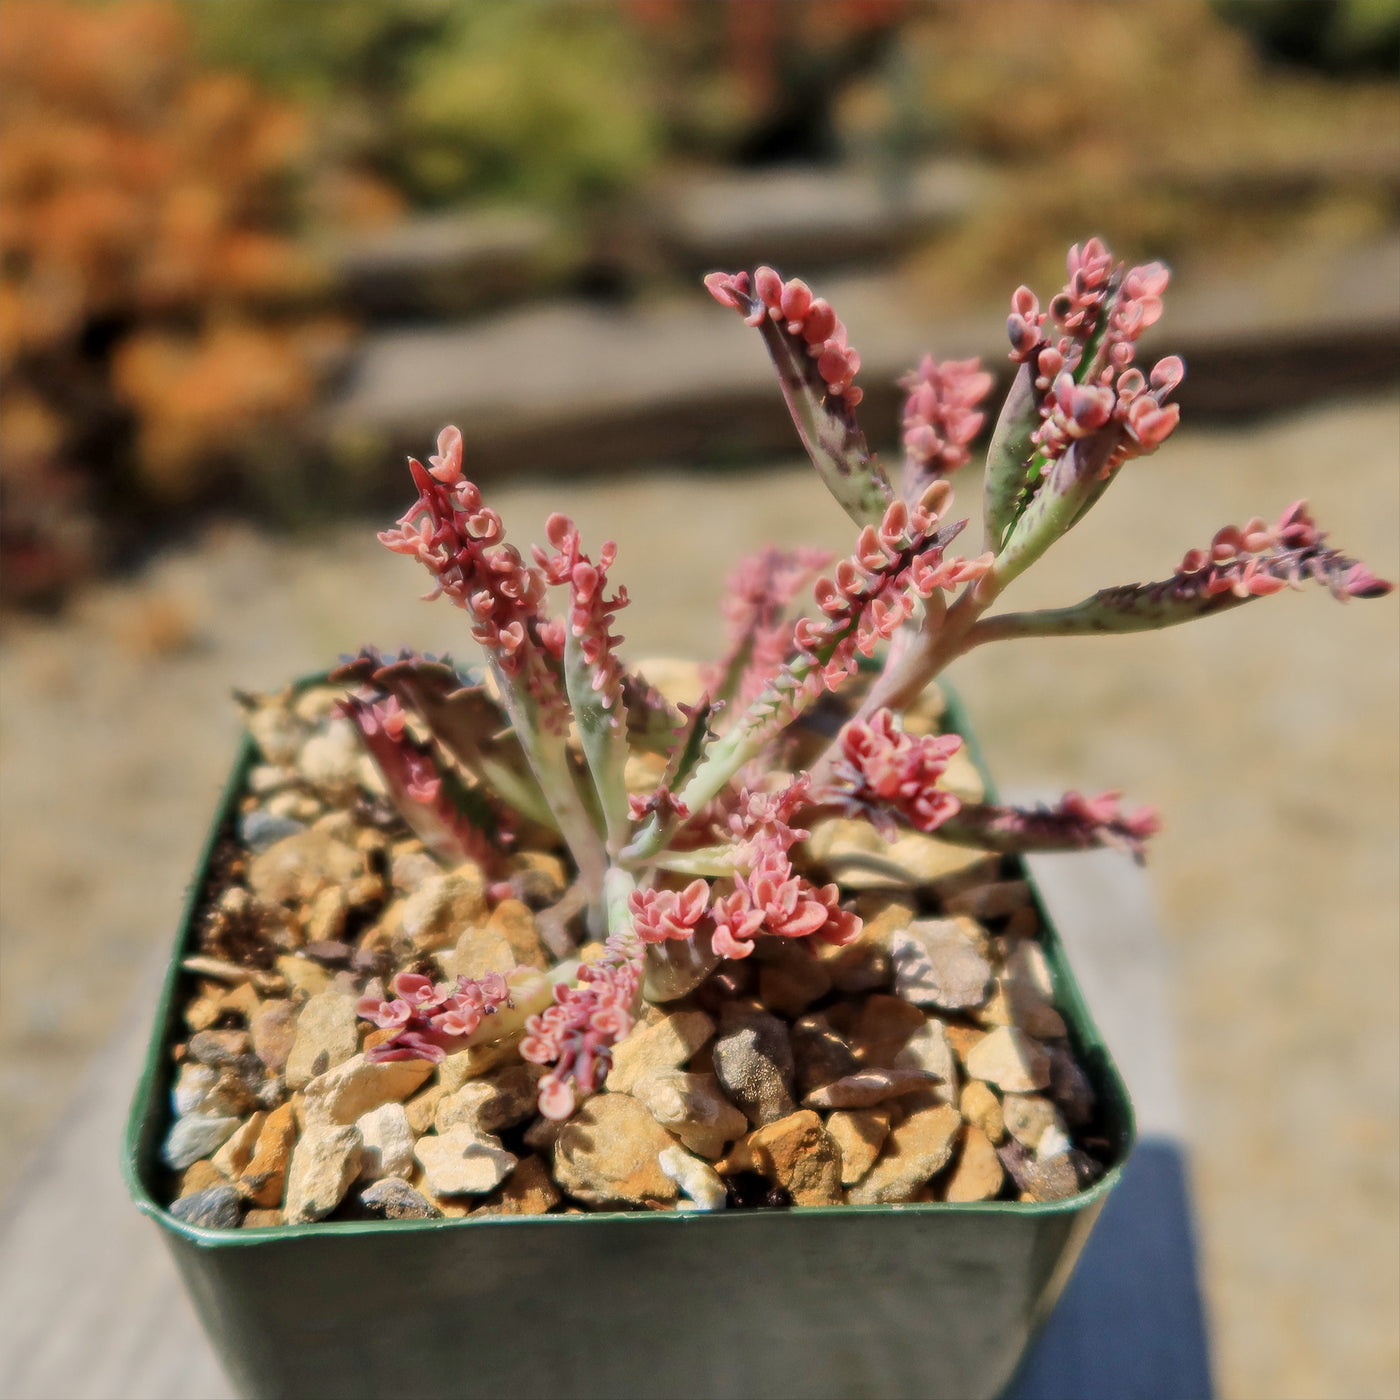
{"points": [[915, 1149], [867, 1087], [323, 920], [1023, 923], [692, 1106], [859, 1133], [304, 978], [1009, 1059], [242, 1000], [260, 1219], [463, 1161], [992, 901], [436, 914], [499, 1100], [665, 1044], [200, 1177], [387, 1143], [324, 1163], [1028, 1116], [476, 1060], [512, 921], [295, 869], [798, 1153], [273, 1030], [793, 979], [963, 1039], [351, 1089], [981, 1106], [327, 1034], [530, 1190], [203, 1012], [978, 1174], [482, 950], [883, 1028], [264, 1178], [607, 1154], [237, 1152], [937, 964], [422, 1108], [929, 1050]]}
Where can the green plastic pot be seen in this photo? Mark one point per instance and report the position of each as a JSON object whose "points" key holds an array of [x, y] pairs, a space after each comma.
{"points": [[927, 1300]]}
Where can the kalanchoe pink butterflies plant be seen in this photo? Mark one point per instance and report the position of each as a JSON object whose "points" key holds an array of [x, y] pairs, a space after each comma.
{"points": [[693, 872]]}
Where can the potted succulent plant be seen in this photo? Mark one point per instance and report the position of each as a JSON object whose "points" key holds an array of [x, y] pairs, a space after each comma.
{"points": [[701, 1023]]}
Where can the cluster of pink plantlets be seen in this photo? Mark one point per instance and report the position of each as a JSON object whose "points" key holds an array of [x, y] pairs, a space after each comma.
{"points": [[714, 856], [430, 1019], [576, 1035]]}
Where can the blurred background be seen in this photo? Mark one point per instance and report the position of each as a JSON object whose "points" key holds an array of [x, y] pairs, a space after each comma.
{"points": [[252, 253]]}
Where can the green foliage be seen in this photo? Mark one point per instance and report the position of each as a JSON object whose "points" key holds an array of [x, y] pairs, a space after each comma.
{"points": [[547, 101]]}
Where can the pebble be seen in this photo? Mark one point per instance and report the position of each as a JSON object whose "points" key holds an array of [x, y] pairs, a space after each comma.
{"points": [[304, 978], [991, 901], [699, 1183], [937, 964], [657, 1045], [495, 1101], [793, 979], [820, 1054], [692, 1108], [860, 1134], [477, 952], [265, 1177], [980, 1106], [259, 829], [1008, 1058], [324, 1163], [1019, 1004], [754, 1063], [797, 1153], [915, 1149], [422, 1109], [411, 866], [218, 1208], [273, 1027], [260, 1219], [192, 1086], [327, 1034], [866, 1088], [607, 1154], [929, 1050], [978, 1174], [294, 869], [512, 920], [883, 1027], [324, 919], [200, 1177], [330, 761], [463, 1162], [529, 1190], [1053, 1179], [275, 731], [1070, 1086], [242, 1000], [387, 1142], [267, 778], [962, 1039], [436, 913], [347, 1092], [236, 1153], [218, 1049], [194, 1136], [1028, 1117], [232, 1095], [394, 1199]]}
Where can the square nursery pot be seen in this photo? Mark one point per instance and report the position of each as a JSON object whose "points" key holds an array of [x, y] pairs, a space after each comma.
{"points": [[927, 1300]]}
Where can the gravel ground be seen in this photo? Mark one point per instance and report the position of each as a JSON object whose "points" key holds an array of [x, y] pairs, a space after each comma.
{"points": [[1267, 737]]}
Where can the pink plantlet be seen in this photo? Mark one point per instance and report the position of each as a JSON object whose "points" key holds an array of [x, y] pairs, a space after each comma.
{"points": [[576, 1035], [430, 1020], [884, 773], [662, 914], [940, 418]]}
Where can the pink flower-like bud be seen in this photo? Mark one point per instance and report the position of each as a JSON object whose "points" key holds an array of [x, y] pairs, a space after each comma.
{"points": [[769, 287], [659, 915]]}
